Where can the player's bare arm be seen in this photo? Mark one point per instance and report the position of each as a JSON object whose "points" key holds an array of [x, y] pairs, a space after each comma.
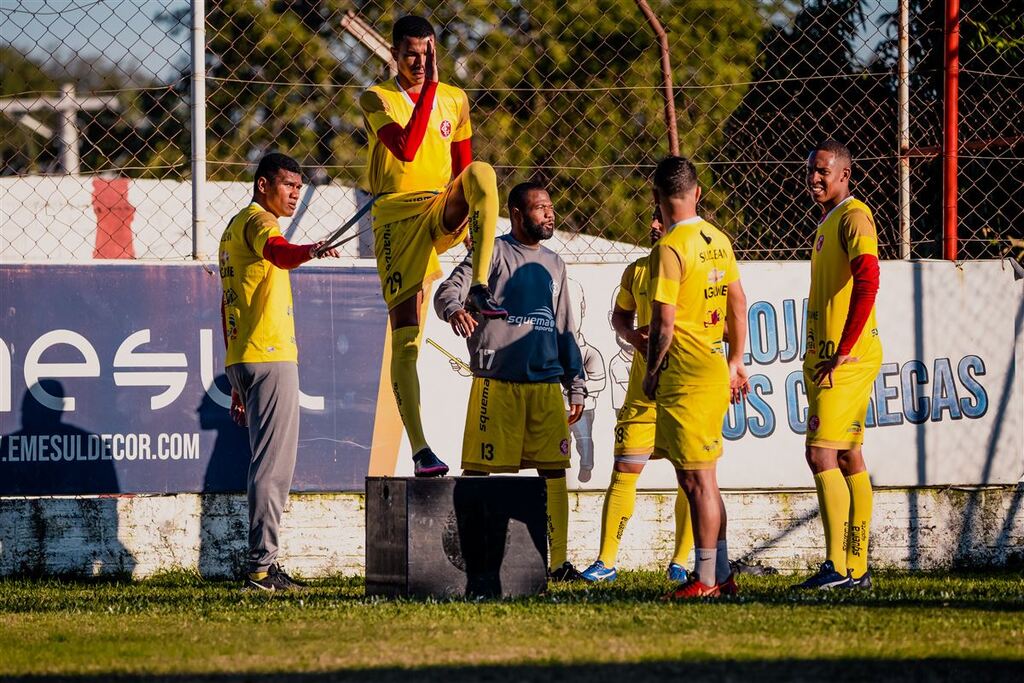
{"points": [[622, 323], [736, 331], [663, 319]]}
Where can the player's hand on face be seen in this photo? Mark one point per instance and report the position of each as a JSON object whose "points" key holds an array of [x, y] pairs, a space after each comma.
{"points": [[824, 369], [575, 413], [332, 252], [430, 72], [462, 322], [651, 384], [238, 410], [739, 384]]}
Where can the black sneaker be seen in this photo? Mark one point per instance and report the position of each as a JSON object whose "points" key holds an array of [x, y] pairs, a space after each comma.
{"points": [[565, 574], [427, 464], [480, 301], [275, 580], [864, 582], [825, 579]]}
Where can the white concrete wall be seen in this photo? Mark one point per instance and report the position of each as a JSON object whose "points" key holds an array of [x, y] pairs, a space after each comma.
{"points": [[324, 533]]}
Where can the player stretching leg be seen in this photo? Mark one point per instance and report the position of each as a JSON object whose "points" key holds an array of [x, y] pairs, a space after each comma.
{"points": [[695, 296], [516, 417], [634, 430], [844, 355], [428, 193]]}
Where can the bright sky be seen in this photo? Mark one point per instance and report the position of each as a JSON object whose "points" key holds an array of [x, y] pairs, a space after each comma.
{"points": [[125, 32]]}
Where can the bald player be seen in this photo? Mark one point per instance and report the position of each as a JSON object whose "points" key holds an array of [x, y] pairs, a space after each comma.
{"points": [[844, 355], [428, 194]]}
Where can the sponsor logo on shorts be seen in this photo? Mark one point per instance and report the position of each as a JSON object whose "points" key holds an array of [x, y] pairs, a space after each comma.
{"points": [[714, 445], [813, 423], [542, 319], [855, 427], [484, 395], [446, 128], [820, 243], [564, 446]]}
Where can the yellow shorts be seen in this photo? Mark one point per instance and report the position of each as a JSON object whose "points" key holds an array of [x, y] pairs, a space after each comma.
{"points": [[689, 426], [634, 429], [512, 426], [407, 248], [836, 414]]}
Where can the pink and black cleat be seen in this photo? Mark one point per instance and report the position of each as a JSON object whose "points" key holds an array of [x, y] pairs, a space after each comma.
{"points": [[427, 464], [481, 301]]}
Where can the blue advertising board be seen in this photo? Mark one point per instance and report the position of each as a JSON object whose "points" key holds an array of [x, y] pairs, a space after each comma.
{"points": [[112, 380]]}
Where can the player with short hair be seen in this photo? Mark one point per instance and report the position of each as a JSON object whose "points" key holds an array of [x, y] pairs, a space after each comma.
{"points": [[696, 297], [262, 356], [427, 190], [516, 417], [844, 355], [634, 429]]}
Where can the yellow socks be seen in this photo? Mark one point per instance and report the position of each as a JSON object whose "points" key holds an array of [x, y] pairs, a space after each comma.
{"points": [[405, 349], [684, 529], [619, 503], [860, 523], [558, 521], [834, 504], [480, 187]]}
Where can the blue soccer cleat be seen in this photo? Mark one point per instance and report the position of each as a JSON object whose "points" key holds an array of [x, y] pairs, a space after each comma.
{"points": [[677, 573], [597, 573], [826, 579]]}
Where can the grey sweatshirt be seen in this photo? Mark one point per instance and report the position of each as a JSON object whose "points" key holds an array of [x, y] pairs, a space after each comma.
{"points": [[536, 343]]}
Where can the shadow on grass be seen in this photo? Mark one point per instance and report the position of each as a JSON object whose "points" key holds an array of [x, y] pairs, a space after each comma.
{"points": [[879, 670]]}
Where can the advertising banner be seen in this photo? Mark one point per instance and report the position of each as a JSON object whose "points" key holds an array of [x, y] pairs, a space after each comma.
{"points": [[111, 380]]}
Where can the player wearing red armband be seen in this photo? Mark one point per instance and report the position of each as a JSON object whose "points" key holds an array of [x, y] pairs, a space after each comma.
{"points": [[843, 358], [428, 195]]}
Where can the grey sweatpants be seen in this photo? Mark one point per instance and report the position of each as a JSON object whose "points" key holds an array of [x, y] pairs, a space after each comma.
{"points": [[270, 393]]}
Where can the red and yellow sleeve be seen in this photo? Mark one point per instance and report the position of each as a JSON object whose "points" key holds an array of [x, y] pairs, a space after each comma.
{"points": [[260, 228], [624, 298], [858, 231], [666, 268], [375, 111], [463, 129]]}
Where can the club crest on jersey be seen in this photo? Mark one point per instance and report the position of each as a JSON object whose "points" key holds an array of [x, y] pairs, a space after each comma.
{"points": [[446, 128], [820, 243], [714, 318], [564, 446], [813, 423]]}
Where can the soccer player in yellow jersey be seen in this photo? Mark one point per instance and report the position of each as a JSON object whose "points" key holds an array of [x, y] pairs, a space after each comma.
{"points": [[634, 430], [262, 357], [844, 355], [696, 297], [428, 194]]}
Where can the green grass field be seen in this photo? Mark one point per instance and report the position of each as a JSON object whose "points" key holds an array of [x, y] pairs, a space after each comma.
{"points": [[177, 627]]}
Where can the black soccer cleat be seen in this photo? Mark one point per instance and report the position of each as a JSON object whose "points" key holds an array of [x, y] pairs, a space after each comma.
{"points": [[565, 574], [863, 583], [275, 580], [427, 464], [482, 302]]}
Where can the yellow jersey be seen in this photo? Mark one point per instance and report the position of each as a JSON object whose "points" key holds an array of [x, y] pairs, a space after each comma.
{"points": [[431, 169], [257, 296], [691, 268], [632, 296], [846, 232]]}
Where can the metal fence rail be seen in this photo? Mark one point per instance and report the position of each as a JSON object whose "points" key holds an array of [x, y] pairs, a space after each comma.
{"points": [[101, 155]]}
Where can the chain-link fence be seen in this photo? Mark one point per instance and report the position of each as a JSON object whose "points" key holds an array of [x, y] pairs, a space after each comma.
{"points": [[96, 135]]}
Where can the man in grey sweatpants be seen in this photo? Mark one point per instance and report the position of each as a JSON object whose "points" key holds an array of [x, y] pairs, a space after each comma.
{"points": [[262, 358]]}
